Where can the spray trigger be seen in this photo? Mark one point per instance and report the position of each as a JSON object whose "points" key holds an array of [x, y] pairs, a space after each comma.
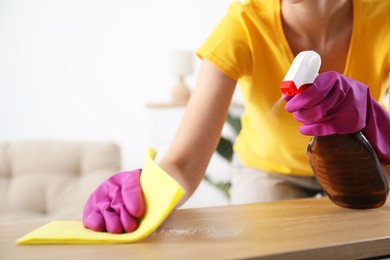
{"points": [[302, 73]]}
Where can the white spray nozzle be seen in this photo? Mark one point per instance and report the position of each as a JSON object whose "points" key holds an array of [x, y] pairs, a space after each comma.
{"points": [[302, 72]]}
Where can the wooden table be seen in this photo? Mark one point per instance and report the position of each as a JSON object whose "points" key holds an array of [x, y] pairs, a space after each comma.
{"points": [[295, 229]]}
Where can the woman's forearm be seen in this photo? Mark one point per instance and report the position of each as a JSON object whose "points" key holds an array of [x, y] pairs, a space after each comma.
{"points": [[200, 129]]}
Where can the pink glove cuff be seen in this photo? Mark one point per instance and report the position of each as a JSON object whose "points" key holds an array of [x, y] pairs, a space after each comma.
{"points": [[377, 130]]}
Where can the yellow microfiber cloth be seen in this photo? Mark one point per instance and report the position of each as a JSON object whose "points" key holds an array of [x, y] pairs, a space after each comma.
{"points": [[161, 194]]}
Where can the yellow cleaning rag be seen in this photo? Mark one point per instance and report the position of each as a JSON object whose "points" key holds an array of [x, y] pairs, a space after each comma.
{"points": [[161, 194]]}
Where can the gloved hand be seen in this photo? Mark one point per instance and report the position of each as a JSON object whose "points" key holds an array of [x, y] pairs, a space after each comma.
{"points": [[336, 104], [116, 204]]}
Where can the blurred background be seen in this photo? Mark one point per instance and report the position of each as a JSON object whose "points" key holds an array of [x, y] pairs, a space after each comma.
{"points": [[91, 70]]}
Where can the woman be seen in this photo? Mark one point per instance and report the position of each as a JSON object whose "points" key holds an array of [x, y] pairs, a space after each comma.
{"points": [[253, 47]]}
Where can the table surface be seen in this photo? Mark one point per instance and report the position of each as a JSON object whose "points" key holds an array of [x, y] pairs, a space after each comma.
{"points": [[293, 229]]}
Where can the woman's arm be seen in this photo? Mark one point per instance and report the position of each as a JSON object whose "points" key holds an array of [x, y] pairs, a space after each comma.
{"points": [[200, 129]]}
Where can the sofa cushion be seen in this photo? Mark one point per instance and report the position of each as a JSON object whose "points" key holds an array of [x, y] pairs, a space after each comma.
{"points": [[52, 179]]}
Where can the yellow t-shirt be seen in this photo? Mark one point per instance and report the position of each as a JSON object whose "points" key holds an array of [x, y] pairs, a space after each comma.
{"points": [[249, 46]]}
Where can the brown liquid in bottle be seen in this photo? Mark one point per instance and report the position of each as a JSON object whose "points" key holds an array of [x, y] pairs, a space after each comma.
{"points": [[348, 170]]}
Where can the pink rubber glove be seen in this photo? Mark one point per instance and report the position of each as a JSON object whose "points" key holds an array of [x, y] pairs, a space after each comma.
{"points": [[336, 104], [116, 204]]}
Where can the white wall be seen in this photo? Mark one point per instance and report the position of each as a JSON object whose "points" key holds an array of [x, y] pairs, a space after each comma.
{"points": [[84, 69]]}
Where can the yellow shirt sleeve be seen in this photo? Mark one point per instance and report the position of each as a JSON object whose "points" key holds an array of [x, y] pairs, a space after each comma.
{"points": [[227, 46]]}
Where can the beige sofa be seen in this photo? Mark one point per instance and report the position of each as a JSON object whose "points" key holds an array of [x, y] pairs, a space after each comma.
{"points": [[43, 180]]}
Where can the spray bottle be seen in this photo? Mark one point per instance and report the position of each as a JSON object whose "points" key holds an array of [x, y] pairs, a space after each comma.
{"points": [[345, 165]]}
